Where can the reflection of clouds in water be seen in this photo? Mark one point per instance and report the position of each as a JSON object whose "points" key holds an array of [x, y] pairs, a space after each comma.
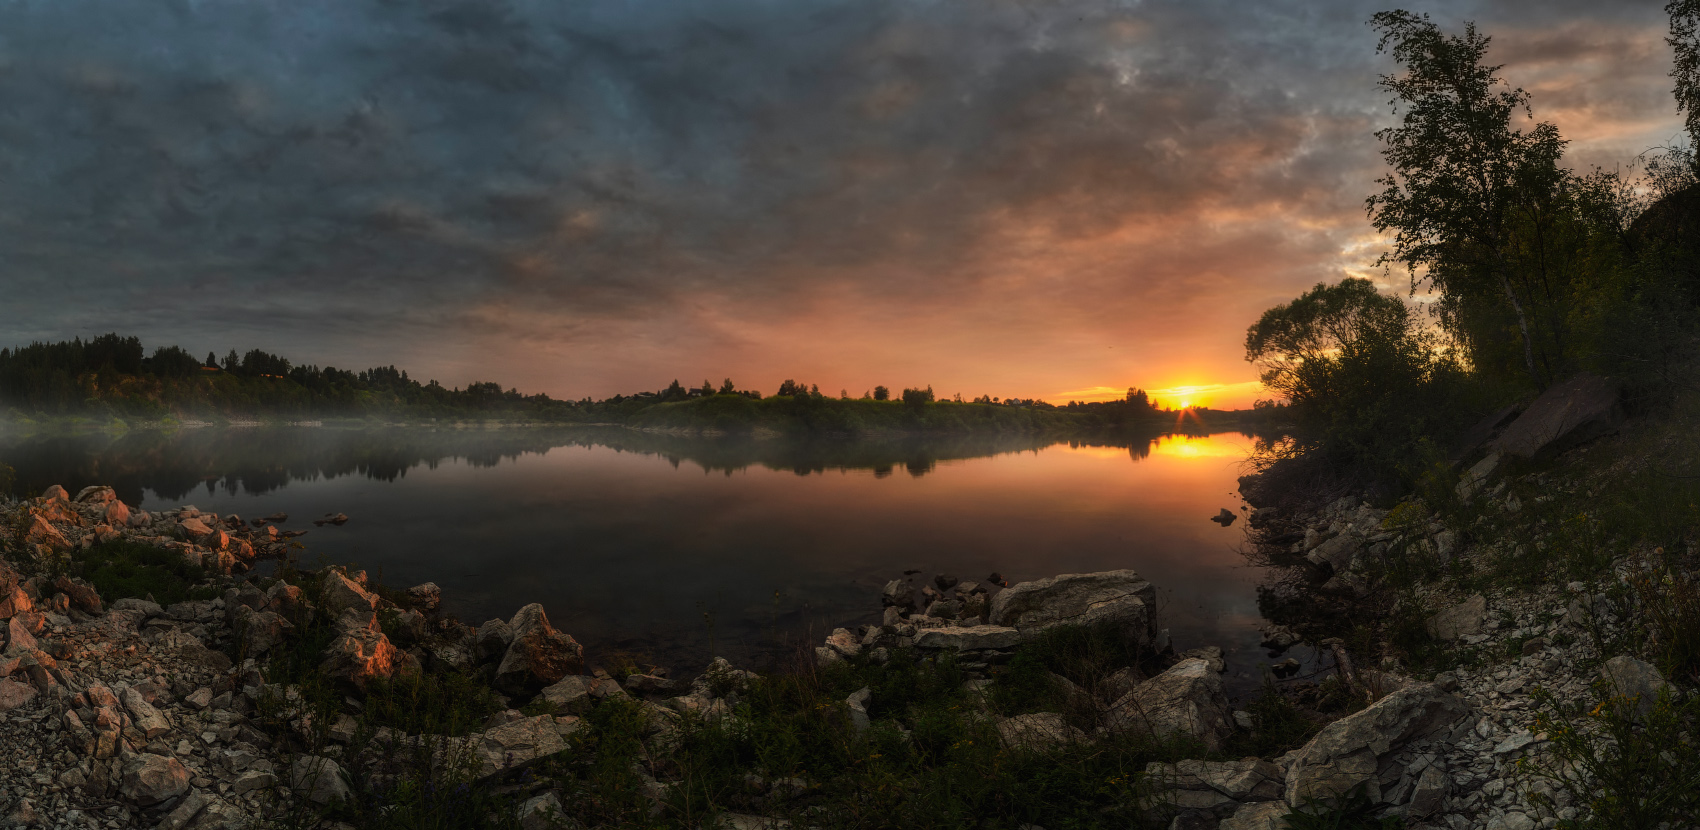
{"points": [[1223, 445]]}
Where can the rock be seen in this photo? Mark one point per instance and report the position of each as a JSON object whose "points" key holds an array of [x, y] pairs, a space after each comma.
{"points": [[1252, 779], [1186, 700], [971, 638], [40, 532], [1512, 821], [261, 631], [1120, 598], [516, 744], [360, 655], [539, 655], [318, 779], [19, 640], [1210, 654], [1337, 553], [148, 779], [148, 720], [254, 779], [1359, 747], [948, 609], [541, 813], [116, 514], [1224, 517], [1463, 619], [843, 642], [858, 705], [1472, 481], [147, 609], [898, 593], [1584, 407], [1039, 731], [572, 694], [426, 597], [1635, 680], [492, 640], [14, 694], [95, 494], [55, 493], [185, 812], [1267, 815], [1429, 796], [339, 593]]}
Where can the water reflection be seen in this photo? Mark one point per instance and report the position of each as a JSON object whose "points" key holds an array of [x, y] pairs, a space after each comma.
{"points": [[677, 548]]}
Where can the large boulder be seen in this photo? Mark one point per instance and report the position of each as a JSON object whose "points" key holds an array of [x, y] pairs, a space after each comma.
{"points": [[1120, 598], [318, 779], [1264, 815], [1038, 731], [521, 742], [492, 640], [82, 594], [1252, 779], [117, 514], [361, 654], [14, 694], [972, 638], [40, 532], [1359, 748], [339, 593], [1337, 553], [1634, 680], [147, 779], [1460, 620], [261, 631], [539, 655], [1583, 407], [13, 600], [1186, 700]]}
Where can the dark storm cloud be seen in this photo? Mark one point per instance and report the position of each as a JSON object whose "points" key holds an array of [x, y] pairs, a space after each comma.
{"points": [[358, 178]]}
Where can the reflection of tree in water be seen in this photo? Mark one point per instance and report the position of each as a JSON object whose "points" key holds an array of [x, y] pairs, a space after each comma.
{"points": [[262, 460]]}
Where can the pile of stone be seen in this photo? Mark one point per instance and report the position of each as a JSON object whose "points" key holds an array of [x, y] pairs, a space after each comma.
{"points": [[56, 523]]}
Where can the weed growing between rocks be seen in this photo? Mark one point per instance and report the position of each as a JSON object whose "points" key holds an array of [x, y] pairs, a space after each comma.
{"points": [[1633, 763], [1351, 811], [123, 568]]}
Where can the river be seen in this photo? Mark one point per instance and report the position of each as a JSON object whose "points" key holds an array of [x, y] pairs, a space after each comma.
{"points": [[671, 549]]}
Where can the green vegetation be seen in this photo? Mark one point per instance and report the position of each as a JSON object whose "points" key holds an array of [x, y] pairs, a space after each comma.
{"points": [[122, 568], [1630, 763]]}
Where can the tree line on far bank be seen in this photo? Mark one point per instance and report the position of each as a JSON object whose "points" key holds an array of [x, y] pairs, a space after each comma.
{"points": [[1534, 271], [114, 376]]}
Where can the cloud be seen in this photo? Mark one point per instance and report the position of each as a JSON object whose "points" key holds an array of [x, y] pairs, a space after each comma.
{"points": [[1012, 197]]}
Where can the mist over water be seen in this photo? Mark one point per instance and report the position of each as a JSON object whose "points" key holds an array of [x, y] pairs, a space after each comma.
{"points": [[674, 549]]}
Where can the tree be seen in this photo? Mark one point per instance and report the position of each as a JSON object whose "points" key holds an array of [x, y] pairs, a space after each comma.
{"points": [[917, 398], [232, 362], [1462, 178], [212, 361], [1366, 384], [788, 388], [726, 387], [1684, 40], [881, 393]]}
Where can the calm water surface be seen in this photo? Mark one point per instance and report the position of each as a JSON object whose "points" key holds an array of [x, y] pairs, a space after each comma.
{"points": [[674, 548]]}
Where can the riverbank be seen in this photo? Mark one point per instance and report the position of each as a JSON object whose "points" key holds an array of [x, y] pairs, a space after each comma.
{"points": [[307, 696], [1550, 580]]}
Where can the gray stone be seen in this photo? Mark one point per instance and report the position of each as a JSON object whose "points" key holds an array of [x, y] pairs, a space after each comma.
{"points": [[1337, 553], [858, 705], [1038, 731], [147, 719], [340, 593], [541, 813], [261, 631], [1267, 815], [185, 812], [1584, 407], [1186, 700], [843, 642], [14, 694], [898, 593], [1635, 680], [1252, 779], [148, 779], [1121, 598], [1359, 747], [318, 779], [1471, 482], [516, 744], [571, 694], [539, 656], [971, 638], [426, 596], [1429, 796], [1465, 618]]}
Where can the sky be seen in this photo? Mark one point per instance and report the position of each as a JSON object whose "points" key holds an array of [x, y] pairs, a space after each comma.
{"points": [[1054, 198]]}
